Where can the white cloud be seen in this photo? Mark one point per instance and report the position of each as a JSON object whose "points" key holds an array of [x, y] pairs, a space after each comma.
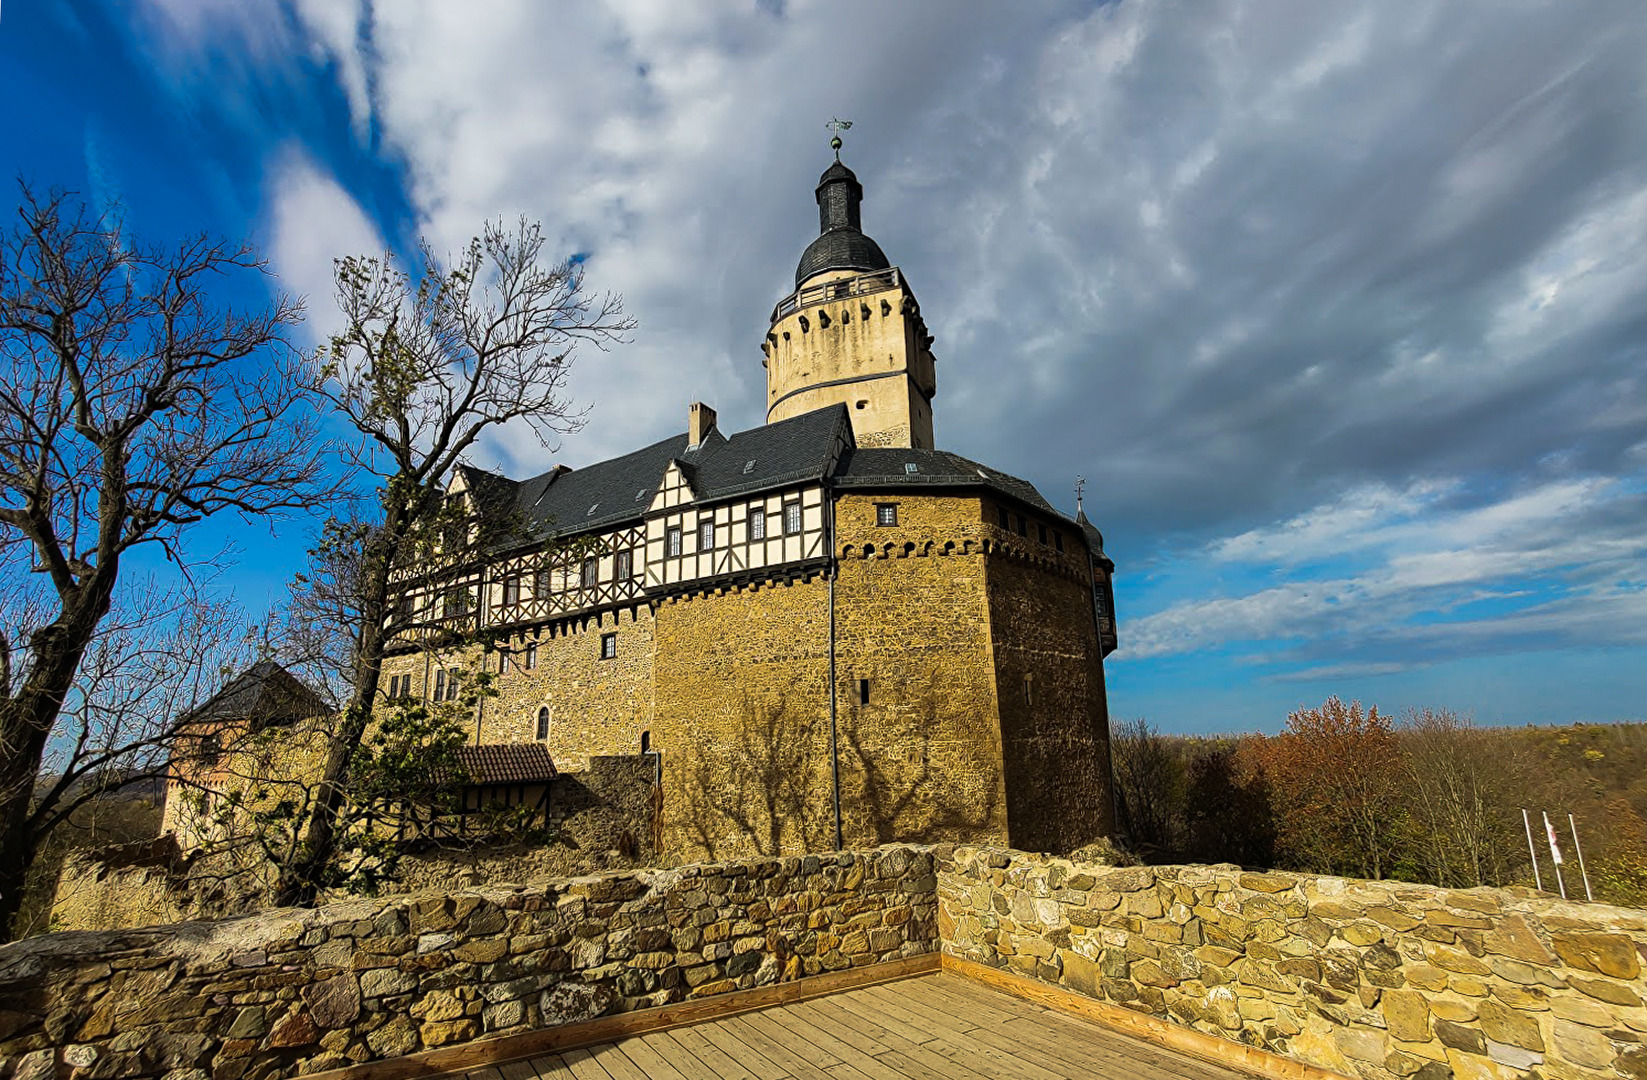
{"points": [[313, 221]]}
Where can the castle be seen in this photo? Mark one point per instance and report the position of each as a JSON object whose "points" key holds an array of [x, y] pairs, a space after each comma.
{"points": [[824, 606]]}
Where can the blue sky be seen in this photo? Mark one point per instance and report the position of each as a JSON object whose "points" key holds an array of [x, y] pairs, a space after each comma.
{"points": [[1341, 308]]}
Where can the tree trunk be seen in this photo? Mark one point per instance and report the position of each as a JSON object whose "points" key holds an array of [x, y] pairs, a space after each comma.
{"points": [[299, 882], [26, 721]]}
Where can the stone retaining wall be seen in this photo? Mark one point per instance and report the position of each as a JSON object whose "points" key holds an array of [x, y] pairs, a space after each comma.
{"points": [[290, 992], [1368, 979]]}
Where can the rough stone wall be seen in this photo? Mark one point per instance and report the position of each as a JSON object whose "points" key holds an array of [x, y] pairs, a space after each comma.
{"points": [[1054, 715], [595, 706], [1368, 979], [743, 705], [602, 815], [290, 992]]}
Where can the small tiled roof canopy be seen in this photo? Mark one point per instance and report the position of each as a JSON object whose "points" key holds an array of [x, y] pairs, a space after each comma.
{"points": [[507, 763]]}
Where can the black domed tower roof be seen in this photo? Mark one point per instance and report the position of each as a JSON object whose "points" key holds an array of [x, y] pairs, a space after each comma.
{"points": [[841, 243]]}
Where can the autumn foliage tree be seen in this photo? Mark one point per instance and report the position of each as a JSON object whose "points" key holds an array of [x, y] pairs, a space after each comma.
{"points": [[1335, 778]]}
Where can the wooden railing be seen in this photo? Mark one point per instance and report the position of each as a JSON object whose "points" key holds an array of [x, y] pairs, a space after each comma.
{"points": [[873, 282]]}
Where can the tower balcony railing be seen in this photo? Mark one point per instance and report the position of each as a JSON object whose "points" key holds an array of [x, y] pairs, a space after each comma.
{"points": [[862, 285]]}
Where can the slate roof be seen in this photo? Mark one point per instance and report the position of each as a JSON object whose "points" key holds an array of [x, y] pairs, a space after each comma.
{"points": [[797, 450], [507, 763], [265, 693], [617, 492], [841, 248]]}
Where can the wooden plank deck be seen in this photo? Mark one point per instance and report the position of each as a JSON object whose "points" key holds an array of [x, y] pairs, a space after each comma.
{"points": [[931, 1027]]}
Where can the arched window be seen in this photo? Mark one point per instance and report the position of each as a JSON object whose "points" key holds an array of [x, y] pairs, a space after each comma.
{"points": [[646, 742], [543, 724]]}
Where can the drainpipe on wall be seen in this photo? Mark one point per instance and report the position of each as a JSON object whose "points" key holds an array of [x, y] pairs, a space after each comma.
{"points": [[834, 745]]}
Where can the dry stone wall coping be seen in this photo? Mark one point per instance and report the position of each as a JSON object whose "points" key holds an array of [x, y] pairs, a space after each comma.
{"points": [[1368, 979], [289, 992]]}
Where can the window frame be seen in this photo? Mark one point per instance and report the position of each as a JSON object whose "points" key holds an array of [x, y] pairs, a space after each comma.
{"points": [[543, 723], [511, 590], [623, 565], [589, 572], [531, 659], [609, 645], [706, 532], [757, 523], [792, 510], [672, 542], [543, 582], [886, 515]]}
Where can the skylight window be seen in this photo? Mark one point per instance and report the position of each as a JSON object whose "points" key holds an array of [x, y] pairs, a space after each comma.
{"points": [[641, 494], [983, 474], [592, 509], [749, 466], [910, 468]]}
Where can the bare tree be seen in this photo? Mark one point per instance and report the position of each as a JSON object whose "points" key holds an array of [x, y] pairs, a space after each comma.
{"points": [[133, 405], [421, 369], [1149, 785], [1461, 778]]}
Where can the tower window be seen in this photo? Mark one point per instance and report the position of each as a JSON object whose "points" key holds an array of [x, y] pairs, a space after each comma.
{"points": [[863, 692], [791, 518], [543, 724], [886, 514], [531, 656], [706, 534], [863, 404], [608, 646], [625, 565], [757, 523], [1029, 689], [672, 540]]}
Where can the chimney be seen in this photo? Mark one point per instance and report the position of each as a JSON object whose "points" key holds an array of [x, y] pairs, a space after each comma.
{"points": [[700, 421]]}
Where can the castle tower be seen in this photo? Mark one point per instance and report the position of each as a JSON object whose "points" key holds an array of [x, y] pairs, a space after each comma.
{"points": [[851, 332]]}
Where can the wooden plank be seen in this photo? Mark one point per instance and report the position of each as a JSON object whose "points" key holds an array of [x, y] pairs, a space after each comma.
{"points": [[1108, 1051], [551, 1067], [484, 1074], [718, 1060], [616, 1063], [850, 1033], [647, 1059], [937, 990], [584, 1066], [532, 1044], [781, 1054], [917, 1059], [912, 1010], [1196, 1044], [863, 1061], [964, 1047], [675, 1053], [518, 1070]]}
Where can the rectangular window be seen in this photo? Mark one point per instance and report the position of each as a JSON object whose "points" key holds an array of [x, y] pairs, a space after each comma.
{"points": [[452, 687], [706, 534], [625, 564], [672, 541], [886, 514], [541, 586], [757, 523], [511, 590], [1001, 517], [863, 692], [1023, 526], [791, 518], [440, 686], [1058, 540], [590, 573], [531, 656], [608, 646], [456, 603], [1040, 532]]}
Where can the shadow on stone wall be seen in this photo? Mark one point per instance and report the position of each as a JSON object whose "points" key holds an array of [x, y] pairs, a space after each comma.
{"points": [[768, 791]]}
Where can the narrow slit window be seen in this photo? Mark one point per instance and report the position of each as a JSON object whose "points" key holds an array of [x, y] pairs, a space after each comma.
{"points": [[863, 692], [543, 724], [1029, 690]]}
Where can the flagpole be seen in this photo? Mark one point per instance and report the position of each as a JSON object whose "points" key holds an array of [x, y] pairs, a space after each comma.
{"points": [[1555, 853], [1588, 895], [1532, 852]]}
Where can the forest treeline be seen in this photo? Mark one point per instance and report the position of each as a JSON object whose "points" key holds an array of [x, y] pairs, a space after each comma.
{"points": [[1427, 797]]}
